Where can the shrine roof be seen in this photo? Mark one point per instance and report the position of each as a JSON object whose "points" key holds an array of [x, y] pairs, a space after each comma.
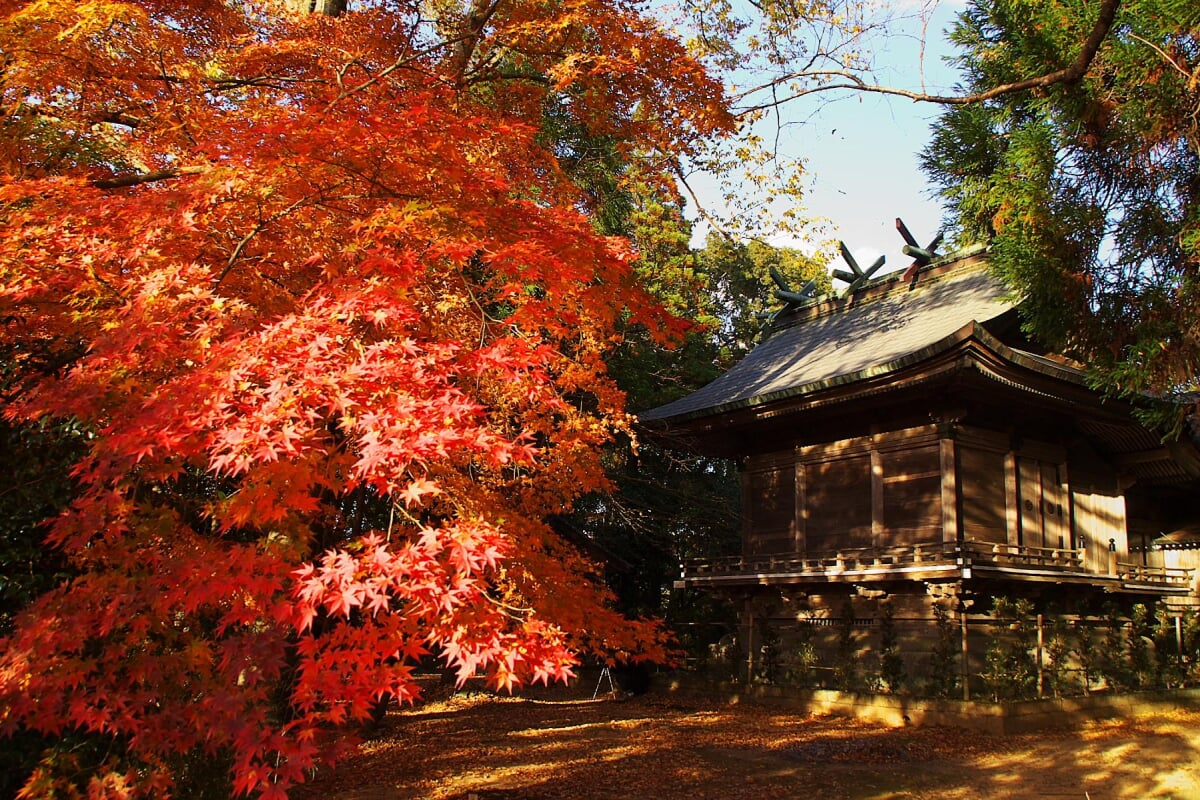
{"points": [[878, 329]]}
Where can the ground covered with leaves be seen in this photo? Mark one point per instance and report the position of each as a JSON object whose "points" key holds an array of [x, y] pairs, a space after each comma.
{"points": [[562, 744]]}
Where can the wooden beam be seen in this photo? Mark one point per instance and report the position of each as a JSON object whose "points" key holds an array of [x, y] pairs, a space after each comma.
{"points": [[801, 516], [950, 517], [877, 526], [1012, 504]]}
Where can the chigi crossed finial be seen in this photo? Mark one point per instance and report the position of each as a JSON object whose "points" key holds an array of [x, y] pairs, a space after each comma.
{"points": [[791, 299], [922, 256], [857, 276]]}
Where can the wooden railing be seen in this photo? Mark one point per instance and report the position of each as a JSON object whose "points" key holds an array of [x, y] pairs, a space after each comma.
{"points": [[1140, 573], [843, 561], [1020, 555], [866, 560]]}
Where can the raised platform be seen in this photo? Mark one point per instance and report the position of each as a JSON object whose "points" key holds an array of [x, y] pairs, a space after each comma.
{"points": [[937, 562]]}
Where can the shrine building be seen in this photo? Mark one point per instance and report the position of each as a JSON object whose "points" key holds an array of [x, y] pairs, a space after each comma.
{"points": [[906, 441]]}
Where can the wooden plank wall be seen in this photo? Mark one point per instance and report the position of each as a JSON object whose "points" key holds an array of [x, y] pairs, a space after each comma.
{"points": [[838, 504], [983, 495], [911, 485], [873, 491], [1097, 518], [770, 505], [889, 489]]}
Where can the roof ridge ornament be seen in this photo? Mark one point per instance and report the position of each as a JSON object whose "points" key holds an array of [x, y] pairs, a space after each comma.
{"points": [[794, 299], [791, 300], [857, 277], [922, 256]]}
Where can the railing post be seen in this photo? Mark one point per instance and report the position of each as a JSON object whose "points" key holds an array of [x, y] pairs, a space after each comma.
{"points": [[1112, 556]]}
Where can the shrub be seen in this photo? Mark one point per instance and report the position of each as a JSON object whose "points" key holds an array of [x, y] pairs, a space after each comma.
{"points": [[891, 663], [845, 670], [944, 659], [1011, 672]]}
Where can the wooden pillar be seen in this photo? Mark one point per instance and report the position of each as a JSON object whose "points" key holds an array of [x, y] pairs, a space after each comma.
{"points": [[1012, 503], [748, 618], [877, 528], [949, 492], [966, 668], [747, 507], [801, 516], [1179, 640]]}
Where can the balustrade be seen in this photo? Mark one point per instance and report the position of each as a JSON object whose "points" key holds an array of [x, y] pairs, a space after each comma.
{"points": [[883, 560]]}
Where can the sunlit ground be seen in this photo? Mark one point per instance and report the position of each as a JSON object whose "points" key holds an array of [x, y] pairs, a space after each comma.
{"points": [[662, 745]]}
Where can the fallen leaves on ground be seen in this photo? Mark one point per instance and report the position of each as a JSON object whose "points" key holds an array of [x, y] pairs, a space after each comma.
{"points": [[562, 744]]}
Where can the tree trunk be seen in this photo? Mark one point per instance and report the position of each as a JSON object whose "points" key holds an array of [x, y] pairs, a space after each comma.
{"points": [[332, 8]]}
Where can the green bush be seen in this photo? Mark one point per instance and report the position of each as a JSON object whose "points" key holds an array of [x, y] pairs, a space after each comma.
{"points": [[845, 670], [1059, 681], [1011, 671], [944, 659], [891, 663]]}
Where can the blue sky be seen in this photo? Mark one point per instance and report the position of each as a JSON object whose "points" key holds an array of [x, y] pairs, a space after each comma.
{"points": [[861, 149]]}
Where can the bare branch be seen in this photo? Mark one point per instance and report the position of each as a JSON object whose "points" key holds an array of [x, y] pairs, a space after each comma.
{"points": [[138, 178], [1068, 75], [1165, 56]]}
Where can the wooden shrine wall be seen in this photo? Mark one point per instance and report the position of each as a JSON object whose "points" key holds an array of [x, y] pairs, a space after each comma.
{"points": [[891, 489], [869, 492]]}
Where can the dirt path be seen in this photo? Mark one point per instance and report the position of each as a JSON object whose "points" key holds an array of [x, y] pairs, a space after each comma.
{"points": [[689, 746]]}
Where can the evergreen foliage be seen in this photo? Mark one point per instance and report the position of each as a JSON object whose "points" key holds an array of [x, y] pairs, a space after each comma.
{"points": [[1088, 191], [803, 671], [768, 666], [1142, 670], [845, 668], [1011, 672], [1086, 653], [1059, 681], [891, 663], [1170, 666], [1113, 662], [943, 678]]}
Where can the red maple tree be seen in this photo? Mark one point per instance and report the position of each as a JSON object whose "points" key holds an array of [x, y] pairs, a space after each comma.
{"points": [[292, 272]]}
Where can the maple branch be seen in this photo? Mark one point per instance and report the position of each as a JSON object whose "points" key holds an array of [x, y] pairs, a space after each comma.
{"points": [[263, 223], [700, 205], [119, 118], [259, 81], [512, 612], [472, 31], [138, 178], [1070, 74], [401, 62]]}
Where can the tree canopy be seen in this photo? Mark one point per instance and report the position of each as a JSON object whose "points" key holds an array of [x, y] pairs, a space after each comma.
{"points": [[329, 310], [1089, 188]]}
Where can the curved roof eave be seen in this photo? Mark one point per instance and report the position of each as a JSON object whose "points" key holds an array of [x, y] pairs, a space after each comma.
{"points": [[971, 331]]}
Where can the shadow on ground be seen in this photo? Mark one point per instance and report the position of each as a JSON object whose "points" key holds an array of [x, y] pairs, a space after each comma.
{"points": [[564, 745]]}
